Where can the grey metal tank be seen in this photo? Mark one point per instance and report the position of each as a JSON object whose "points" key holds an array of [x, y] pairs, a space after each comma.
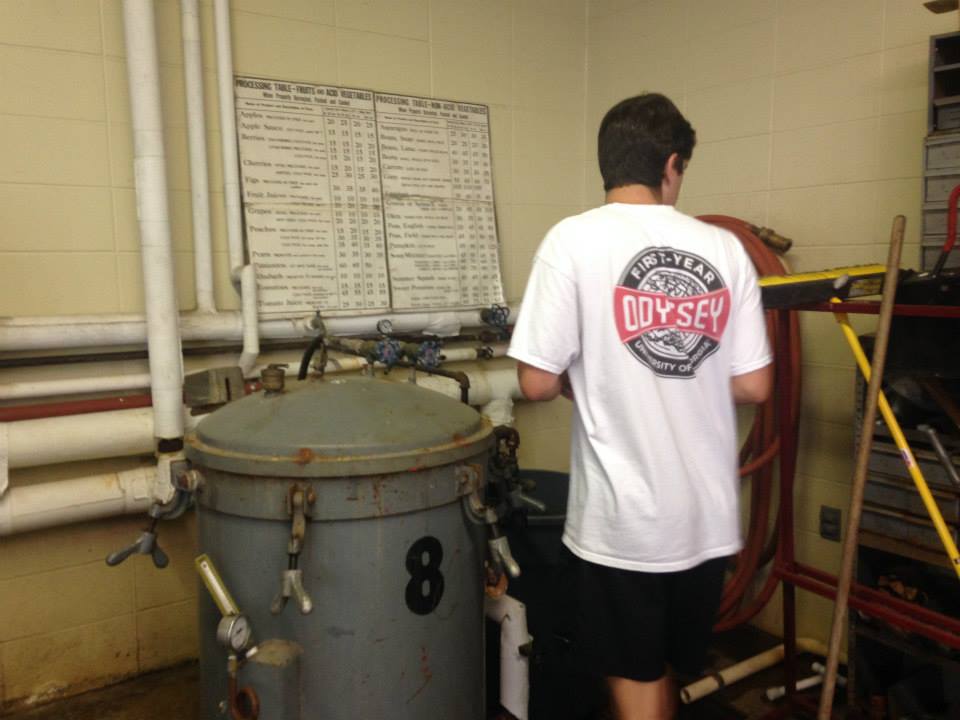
{"points": [[375, 474]]}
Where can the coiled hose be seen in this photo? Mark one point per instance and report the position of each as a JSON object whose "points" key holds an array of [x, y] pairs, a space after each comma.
{"points": [[762, 446]]}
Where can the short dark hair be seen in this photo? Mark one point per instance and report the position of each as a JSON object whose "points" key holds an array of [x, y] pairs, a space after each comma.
{"points": [[637, 136]]}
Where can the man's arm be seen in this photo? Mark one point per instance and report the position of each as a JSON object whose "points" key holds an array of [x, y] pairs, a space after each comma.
{"points": [[752, 387], [537, 384]]}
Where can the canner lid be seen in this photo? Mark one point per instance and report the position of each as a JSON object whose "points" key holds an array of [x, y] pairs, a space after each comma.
{"points": [[336, 427]]}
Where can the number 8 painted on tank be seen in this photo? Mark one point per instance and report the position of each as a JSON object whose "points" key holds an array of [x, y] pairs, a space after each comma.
{"points": [[426, 581]]}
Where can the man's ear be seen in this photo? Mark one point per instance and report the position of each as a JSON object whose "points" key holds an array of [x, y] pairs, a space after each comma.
{"points": [[673, 166]]}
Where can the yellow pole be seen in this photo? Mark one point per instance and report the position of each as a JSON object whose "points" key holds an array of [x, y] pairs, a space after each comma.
{"points": [[909, 460]]}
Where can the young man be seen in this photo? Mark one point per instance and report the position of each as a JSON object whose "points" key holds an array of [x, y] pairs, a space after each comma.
{"points": [[651, 322]]}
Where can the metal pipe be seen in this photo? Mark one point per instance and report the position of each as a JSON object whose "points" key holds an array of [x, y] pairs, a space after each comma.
{"points": [[51, 504], [150, 172], [228, 137], [197, 143]]}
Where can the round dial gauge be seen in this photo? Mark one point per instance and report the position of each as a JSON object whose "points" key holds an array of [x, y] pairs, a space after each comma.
{"points": [[235, 632]]}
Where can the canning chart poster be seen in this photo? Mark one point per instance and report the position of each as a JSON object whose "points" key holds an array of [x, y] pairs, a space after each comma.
{"points": [[357, 201]]}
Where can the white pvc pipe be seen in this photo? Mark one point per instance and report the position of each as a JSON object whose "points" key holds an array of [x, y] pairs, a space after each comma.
{"points": [[251, 335], [511, 615], [91, 436], [55, 333], [729, 675], [485, 385], [197, 138], [470, 353], [228, 136], [150, 173], [73, 386], [45, 505]]}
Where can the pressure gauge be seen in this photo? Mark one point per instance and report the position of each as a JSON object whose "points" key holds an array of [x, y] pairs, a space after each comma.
{"points": [[234, 632]]}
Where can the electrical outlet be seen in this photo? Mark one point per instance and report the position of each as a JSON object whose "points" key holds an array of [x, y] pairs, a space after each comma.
{"points": [[830, 523]]}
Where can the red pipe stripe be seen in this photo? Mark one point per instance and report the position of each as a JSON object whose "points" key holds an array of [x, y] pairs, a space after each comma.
{"points": [[73, 407]]}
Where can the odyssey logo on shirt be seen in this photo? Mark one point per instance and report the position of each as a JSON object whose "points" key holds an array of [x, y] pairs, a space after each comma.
{"points": [[671, 308]]}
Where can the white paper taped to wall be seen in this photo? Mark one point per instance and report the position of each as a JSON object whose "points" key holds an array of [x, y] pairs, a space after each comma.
{"points": [[360, 202]]}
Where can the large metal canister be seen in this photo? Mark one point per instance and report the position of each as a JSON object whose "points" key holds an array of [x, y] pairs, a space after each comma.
{"points": [[391, 559]]}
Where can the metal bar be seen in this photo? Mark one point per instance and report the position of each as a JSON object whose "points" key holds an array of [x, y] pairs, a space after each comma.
{"points": [[873, 308]]}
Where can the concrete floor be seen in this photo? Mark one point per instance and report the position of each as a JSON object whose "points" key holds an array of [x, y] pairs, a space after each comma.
{"points": [[172, 694]]}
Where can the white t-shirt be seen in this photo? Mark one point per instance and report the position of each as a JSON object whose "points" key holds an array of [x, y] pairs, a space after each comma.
{"points": [[651, 312]]}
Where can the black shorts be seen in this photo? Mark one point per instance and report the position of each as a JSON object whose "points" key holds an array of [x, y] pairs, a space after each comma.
{"points": [[634, 624]]}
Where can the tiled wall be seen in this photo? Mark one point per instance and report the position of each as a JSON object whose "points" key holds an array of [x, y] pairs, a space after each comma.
{"points": [[810, 116], [68, 243]]}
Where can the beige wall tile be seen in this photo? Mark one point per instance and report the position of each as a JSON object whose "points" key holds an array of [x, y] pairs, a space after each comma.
{"points": [[52, 151], [907, 22], [284, 49], [65, 598], [178, 581], [899, 197], [553, 415], [531, 222], [597, 9], [729, 111], [515, 270], [383, 62], [65, 547], [544, 449], [472, 74], [167, 19], [540, 132], [403, 18], [130, 282], [812, 33], [640, 23], [826, 214], [46, 217], [58, 283], [556, 179], [464, 23], [70, 661], [900, 144], [825, 450], [846, 90], [740, 165], [317, 11], [167, 635], [51, 83], [594, 194], [548, 61], [172, 98], [731, 56], [501, 149], [712, 17], [828, 393], [60, 24], [904, 86], [751, 206], [827, 154]]}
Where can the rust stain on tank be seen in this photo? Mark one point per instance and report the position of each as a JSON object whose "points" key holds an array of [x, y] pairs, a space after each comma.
{"points": [[425, 672], [304, 456], [459, 439]]}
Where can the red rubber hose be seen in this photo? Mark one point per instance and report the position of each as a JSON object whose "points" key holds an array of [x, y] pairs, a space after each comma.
{"points": [[762, 446]]}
